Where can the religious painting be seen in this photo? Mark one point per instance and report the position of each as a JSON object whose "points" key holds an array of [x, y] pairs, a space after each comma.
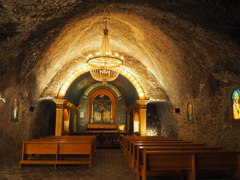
{"points": [[189, 112], [236, 104], [102, 109], [15, 110]]}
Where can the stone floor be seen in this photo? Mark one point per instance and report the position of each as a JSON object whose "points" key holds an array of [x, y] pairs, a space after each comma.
{"points": [[109, 164]]}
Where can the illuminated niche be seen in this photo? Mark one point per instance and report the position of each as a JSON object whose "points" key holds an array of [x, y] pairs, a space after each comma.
{"points": [[15, 109], [236, 104]]}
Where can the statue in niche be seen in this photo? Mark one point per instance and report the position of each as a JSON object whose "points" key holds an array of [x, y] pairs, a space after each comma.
{"points": [[189, 112], [102, 106], [236, 104]]}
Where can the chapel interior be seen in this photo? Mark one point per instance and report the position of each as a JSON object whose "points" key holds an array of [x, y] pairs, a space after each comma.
{"points": [[179, 77]]}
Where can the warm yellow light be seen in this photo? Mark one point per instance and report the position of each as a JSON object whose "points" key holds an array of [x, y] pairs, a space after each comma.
{"points": [[136, 127], [124, 72], [152, 132], [64, 88], [61, 94], [128, 75], [141, 95], [121, 127]]}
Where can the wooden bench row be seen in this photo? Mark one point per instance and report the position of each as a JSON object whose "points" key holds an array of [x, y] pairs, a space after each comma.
{"points": [[59, 150], [155, 156]]}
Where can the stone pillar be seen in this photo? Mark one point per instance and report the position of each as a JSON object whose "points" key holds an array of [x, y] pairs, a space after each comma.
{"points": [[128, 117], [59, 116], [128, 121], [141, 107], [75, 121]]}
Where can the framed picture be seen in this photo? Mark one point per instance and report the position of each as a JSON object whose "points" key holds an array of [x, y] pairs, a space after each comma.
{"points": [[189, 112], [15, 110], [236, 104]]}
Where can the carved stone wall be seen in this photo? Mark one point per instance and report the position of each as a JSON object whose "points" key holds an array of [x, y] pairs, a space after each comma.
{"points": [[182, 51]]}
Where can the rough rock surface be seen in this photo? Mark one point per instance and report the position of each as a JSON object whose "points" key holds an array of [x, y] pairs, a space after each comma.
{"points": [[185, 51]]}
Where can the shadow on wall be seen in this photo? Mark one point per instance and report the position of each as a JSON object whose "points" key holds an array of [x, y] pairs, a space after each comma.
{"points": [[168, 126], [43, 122]]}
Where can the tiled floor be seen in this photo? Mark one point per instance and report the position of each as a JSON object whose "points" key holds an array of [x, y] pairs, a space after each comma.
{"points": [[109, 164]]}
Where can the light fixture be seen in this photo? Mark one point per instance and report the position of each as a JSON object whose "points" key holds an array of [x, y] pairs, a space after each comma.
{"points": [[104, 63]]}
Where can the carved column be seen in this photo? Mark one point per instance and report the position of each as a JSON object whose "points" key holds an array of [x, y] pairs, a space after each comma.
{"points": [[131, 118], [128, 117], [128, 121], [59, 115], [141, 107], [75, 121]]}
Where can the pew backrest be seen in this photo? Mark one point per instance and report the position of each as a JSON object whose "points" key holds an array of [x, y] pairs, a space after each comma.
{"points": [[189, 160]]}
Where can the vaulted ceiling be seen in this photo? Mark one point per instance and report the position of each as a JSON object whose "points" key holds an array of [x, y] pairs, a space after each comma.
{"points": [[173, 48]]}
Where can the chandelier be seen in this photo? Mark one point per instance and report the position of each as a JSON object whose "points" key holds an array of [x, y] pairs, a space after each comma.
{"points": [[104, 63]]}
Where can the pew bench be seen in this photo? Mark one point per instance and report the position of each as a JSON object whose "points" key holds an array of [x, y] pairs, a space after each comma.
{"points": [[132, 148], [137, 160], [83, 139], [190, 163], [56, 152], [127, 139], [129, 148]]}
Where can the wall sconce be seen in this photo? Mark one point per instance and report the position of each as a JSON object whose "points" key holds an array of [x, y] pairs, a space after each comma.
{"points": [[2, 99], [177, 110]]}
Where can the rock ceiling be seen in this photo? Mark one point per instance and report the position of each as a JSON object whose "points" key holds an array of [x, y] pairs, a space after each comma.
{"points": [[171, 51]]}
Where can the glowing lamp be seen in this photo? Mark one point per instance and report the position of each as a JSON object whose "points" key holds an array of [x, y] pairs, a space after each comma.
{"points": [[121, 127]]}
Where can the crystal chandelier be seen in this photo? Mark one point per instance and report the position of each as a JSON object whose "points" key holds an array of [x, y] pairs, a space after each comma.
{"points": [[105, 64]]}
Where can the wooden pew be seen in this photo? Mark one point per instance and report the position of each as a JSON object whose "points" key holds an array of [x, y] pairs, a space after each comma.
{"points": [[133, 144], [86, 139], [55, 151], [137, 161], [128, 140], [75, 149], [157, 163], [91, 138]]}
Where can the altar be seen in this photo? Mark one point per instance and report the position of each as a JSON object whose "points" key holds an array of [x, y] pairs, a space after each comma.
{"points": [[107, 139], [103, 127]]}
